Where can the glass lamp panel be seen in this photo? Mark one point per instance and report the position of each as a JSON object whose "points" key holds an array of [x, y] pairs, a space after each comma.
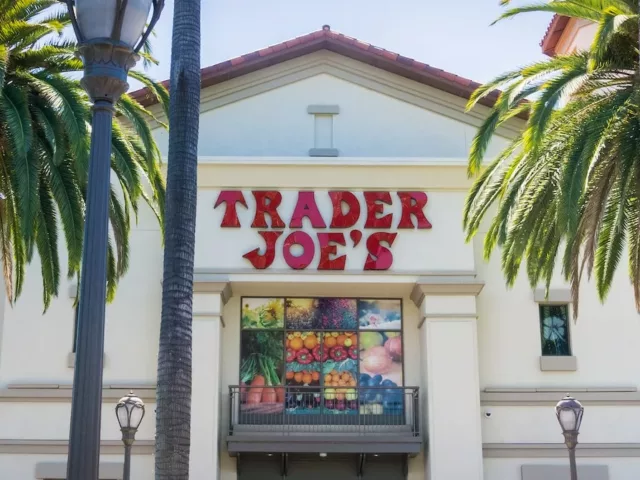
{"points": [[136, 416], [135, 19], [567, 419], [96, 17], [123, 415]]}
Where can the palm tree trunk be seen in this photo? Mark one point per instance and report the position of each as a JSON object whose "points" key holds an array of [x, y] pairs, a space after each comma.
{"points": [[173, 411]]}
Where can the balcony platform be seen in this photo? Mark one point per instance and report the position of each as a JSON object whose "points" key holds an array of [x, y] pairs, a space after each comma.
{"points": [[394, 431]]}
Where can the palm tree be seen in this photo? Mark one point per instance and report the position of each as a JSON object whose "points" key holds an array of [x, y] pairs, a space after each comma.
{"points": [[44, 150], [567, 188], [173, 394]]}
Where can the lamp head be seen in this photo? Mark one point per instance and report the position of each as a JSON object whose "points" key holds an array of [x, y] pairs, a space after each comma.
{"points": [[130, 411], [569, 413]]}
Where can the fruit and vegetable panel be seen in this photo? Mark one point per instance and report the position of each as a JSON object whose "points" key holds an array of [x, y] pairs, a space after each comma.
{"points": [[322, 349], [261, 371]]}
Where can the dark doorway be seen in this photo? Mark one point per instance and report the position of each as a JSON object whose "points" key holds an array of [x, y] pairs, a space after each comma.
{"points": [[299, 466]]}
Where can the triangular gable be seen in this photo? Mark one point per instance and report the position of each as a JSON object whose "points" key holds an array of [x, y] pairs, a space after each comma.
{"points": [[327, 39]]}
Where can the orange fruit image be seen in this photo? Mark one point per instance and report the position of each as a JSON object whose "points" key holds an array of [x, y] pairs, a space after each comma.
{"points": [[330, 341], [310, 342], [298, 377], [315, 376], [296, 344], [289, 375], [328, 379], [306, 378], [340, 339]]}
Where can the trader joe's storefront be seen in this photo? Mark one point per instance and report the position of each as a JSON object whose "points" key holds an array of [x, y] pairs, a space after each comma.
{"points": [[321, 380]]}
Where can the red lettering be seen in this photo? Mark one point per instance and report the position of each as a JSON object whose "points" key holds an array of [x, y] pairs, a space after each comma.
{"points": [[267, 203], [308, 250], [375, 201], [339, 218], [230, 198], [306, 207], [264, 261], [328, 248], [413, 203], [379, 258]]}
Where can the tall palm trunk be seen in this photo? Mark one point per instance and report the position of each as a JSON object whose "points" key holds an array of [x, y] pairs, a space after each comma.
{"points": [[173, 413]]}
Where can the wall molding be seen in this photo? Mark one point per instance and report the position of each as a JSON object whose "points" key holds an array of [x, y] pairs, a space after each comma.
{"points": [[557, 296], [546, 396], [559, 450], [40, 392], [460, 163], [45, 447], [212, 283], [445, 285]]}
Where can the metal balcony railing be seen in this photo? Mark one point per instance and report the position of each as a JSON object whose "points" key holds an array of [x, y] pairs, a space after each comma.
{"points": [[290, 410]]}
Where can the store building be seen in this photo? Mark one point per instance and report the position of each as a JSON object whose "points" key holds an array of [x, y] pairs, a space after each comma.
{"points": [[342, 325]]}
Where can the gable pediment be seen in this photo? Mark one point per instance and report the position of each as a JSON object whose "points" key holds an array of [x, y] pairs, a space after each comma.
{"points": [[265, 112]]}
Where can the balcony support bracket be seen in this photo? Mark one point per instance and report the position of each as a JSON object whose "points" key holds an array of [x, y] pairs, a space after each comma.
{"points": [[405, 465], [360, 467], [284, 465]]}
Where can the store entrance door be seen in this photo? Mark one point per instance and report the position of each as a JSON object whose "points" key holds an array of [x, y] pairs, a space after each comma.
{"points": [[313, 467]]}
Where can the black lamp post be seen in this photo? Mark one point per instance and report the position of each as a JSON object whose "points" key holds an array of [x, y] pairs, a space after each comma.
{"points": [[569, 412], [130, 412], [110, 33]]}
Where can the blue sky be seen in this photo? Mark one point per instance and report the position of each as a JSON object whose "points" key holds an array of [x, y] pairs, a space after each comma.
{"points": [[463, 43]]}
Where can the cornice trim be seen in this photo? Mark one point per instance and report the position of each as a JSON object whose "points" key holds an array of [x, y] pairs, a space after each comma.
{"points": [[62, 393], [45, 447], [556, 450], [212, 283], [550, 396], [445, 285]]}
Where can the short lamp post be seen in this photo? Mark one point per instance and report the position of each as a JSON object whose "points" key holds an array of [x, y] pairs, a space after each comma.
{"points": [[130, 412], [110, 33], [569, 413]]}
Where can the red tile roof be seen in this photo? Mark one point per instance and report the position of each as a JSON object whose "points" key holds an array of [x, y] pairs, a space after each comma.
{"points": [[552, 36], [327, 39]]}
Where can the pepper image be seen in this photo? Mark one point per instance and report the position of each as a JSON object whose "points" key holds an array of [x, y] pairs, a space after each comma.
{"points": [[338, 353], [320, 354], [353, 352], [291, 355], [304, 356]]}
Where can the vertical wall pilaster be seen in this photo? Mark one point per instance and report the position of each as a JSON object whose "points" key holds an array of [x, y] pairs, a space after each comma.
{"points": [[450, 352], [208, 300]]}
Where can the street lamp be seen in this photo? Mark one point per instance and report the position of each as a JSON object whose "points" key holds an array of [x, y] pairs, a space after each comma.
{"points": [[569, 412], [110, 33], [130, 411]]}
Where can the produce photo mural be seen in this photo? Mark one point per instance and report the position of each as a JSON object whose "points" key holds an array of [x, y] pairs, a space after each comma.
{"points": [[261, 372], [381, 365], [263, 313], [340, 372], [336, 313], [304, 357], [322, 349], [321, 313], [300, 313], [379, 314]]}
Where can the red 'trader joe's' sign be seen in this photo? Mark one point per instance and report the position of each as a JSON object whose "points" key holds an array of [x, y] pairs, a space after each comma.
{"points": [[346, 213]]}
